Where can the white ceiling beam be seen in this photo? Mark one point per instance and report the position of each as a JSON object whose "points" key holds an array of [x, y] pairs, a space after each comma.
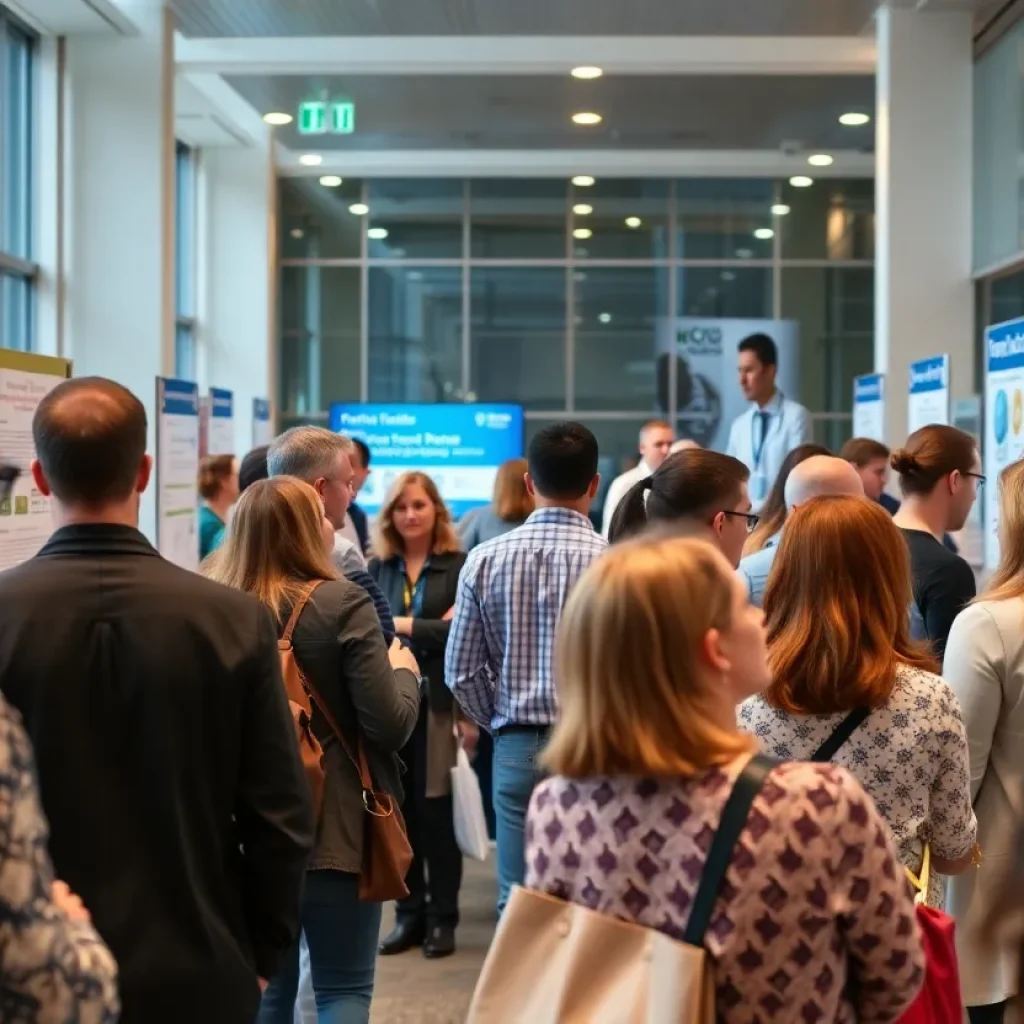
{"points": [[236, 114], [610, 163], [73, 17], [530, 55]]}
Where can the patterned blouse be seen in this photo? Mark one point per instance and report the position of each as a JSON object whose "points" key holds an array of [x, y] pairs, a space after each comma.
{"points": [[814, 922], [52, 970], [910, 755]]}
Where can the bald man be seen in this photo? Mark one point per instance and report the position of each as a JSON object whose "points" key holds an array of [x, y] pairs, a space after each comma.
{"points": [[813, 478]]}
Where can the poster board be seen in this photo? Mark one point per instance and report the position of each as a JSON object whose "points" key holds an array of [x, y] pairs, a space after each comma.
{"points": [[869, 406], [25, 379], [177, 465], [221, 437], [966, 416], [928, 392], [262, 432]]}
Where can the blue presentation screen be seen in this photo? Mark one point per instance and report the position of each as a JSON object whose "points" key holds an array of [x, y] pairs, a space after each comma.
{"points": [[460, 446]]}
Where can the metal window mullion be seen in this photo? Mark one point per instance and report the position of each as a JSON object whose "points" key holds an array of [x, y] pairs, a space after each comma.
{"points": [[777, 258], [570, 305], [364, 303], [467, 308], [673, 305]]}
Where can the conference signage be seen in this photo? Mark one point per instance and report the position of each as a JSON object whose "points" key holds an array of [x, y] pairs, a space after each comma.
{"points": [[177, 465], [1004, 418], [221, 437], [928, 399], [459, 446], [869, 406], [261, 434]]}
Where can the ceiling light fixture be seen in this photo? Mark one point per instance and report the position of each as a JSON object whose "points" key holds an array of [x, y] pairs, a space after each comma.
{"points": [[820, 160], [587, 117], [744, 254], [801, 181], [780, 209], [582, 233], [853, 119], [764, 234], [311, 159], [330, 181], [277, 117], [583, 181], [378, 234], [297, 232], [582, 209], [728, 275], [359, 209], [605, 318], [587, 71], [633, 222]]}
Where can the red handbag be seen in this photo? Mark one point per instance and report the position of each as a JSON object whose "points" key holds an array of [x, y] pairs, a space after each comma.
{"points": [[939, 1001]]}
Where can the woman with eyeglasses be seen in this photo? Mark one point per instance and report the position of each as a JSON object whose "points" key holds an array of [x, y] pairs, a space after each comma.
{"points": [[697, 490], [939, 472]]}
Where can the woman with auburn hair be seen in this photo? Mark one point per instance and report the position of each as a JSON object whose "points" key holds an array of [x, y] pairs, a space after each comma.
{"points": [[217, 484], [417, 563], [839, 644], [985, 667], [276, 549], [656, 646], [509, 507]]}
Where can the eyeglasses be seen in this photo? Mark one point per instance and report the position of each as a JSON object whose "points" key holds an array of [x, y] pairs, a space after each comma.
{"points": [[980, 477], [751, 517]]}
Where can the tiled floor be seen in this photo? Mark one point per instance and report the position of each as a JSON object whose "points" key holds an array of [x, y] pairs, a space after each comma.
{"points": [[412, 990]]}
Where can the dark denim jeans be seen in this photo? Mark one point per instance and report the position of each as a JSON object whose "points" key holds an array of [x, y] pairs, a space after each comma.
{"points": [[342, 934], [516, 772]]}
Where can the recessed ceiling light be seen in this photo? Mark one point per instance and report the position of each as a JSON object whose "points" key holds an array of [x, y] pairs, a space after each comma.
{"points": [[311, 159], [854, 120], [582, 233], [330, 180], [764, 234], [587, 117], [582, 209], [780, 209], [820, 160], [415, 275], [633, 222], [583, 181], [587, 71], [377, 233], [359, 209], [605, 318], [744, 254], [801, 181], [297, 232], [277, 117], [728, 275]]}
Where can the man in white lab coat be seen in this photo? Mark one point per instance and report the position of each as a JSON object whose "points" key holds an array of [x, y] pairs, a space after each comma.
{"points": [[773, 426], [656, 437]]}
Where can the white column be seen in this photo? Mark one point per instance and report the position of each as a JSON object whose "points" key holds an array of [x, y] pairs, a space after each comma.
{"points": [[923, 289], [118, 211], [237, 278]]}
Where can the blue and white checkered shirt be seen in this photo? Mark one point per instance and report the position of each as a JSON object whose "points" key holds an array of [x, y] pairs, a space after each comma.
{"points": [[510, 598]]}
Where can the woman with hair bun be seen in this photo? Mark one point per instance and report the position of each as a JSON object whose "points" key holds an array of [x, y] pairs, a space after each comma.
{"points": [[218, 487], [939, 472]]}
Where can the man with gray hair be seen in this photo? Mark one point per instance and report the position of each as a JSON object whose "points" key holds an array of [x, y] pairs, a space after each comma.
{"points": [[323, 459], [813, 478]]}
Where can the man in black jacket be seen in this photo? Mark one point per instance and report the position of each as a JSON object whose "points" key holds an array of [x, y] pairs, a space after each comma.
{"points": [[168, 767]]}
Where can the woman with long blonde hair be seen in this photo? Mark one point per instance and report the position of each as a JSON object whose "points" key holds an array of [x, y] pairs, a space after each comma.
{"points": [[278, 549], [656, 647], [985, 667]]}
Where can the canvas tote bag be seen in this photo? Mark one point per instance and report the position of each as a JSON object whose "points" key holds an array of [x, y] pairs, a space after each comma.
{"points": [[554, 962]]}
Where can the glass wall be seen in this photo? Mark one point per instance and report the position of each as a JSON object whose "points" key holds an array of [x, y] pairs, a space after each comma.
{"points": [[558, 296], [17, 269], [185, 263]]}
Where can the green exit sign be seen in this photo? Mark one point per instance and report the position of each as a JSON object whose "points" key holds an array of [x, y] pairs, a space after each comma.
{"points": [[320, 117]]}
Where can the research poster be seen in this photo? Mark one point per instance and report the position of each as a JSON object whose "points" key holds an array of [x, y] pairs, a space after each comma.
{"points": [[928, 398], [25, 521], [869, 406], [177, 464], [966, 415], [221, 437], [460, 446], [261, 430], [1004, 418], [706, 351]]}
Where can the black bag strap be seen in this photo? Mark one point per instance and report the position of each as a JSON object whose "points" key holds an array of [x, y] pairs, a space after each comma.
{"points": [[734, 817], [842, 732]]}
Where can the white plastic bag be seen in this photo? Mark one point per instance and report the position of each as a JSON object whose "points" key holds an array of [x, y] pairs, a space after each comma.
{"points": [[468, 809]]}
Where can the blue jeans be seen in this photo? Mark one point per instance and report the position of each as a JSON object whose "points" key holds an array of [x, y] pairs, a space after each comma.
{"points": [[341, 932], [516, 772]]}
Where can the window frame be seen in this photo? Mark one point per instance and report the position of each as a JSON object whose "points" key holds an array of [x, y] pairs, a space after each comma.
{"points": [[186, 183]]}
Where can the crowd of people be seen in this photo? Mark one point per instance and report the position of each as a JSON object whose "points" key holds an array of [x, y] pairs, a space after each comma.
{"points": [[613, 684]]}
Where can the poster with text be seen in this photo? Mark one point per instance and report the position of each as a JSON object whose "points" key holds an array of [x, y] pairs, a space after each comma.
{"points": [[221, 437], [261, 429], [177, 464], [869, 406], [928, 393], [966, 416]]}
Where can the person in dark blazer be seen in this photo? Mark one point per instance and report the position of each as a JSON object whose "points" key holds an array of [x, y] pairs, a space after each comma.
{"points": [[371, 695], [168, 769], [417, 563]]}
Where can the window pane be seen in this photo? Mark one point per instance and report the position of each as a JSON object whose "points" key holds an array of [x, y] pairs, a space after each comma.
{"points": [[423, 219], [627, 220], [717, 218], [618, 314], [724, 291], [15, 313], [1007, 298], [185, 213], [517, 335], [184, 352], [15, 140], [518, 219], [320, 338], [833, 220], [316, 222], [415, 333]]}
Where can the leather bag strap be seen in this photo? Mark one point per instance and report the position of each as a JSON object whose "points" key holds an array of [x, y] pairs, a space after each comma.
{"points": [[300, 604], [843, 731]]}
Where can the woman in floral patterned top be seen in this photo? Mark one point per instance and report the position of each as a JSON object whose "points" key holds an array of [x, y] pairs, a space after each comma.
{"points": [[657, 646], [839, 639]]}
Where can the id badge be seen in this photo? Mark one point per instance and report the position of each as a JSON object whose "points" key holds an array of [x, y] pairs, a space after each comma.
{"points": [[758, 488]]}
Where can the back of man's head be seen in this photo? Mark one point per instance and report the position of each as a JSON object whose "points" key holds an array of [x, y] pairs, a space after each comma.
{"points": [[306, 453], [90, 440], [563, 461], [819, 476], [362, 452]]}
